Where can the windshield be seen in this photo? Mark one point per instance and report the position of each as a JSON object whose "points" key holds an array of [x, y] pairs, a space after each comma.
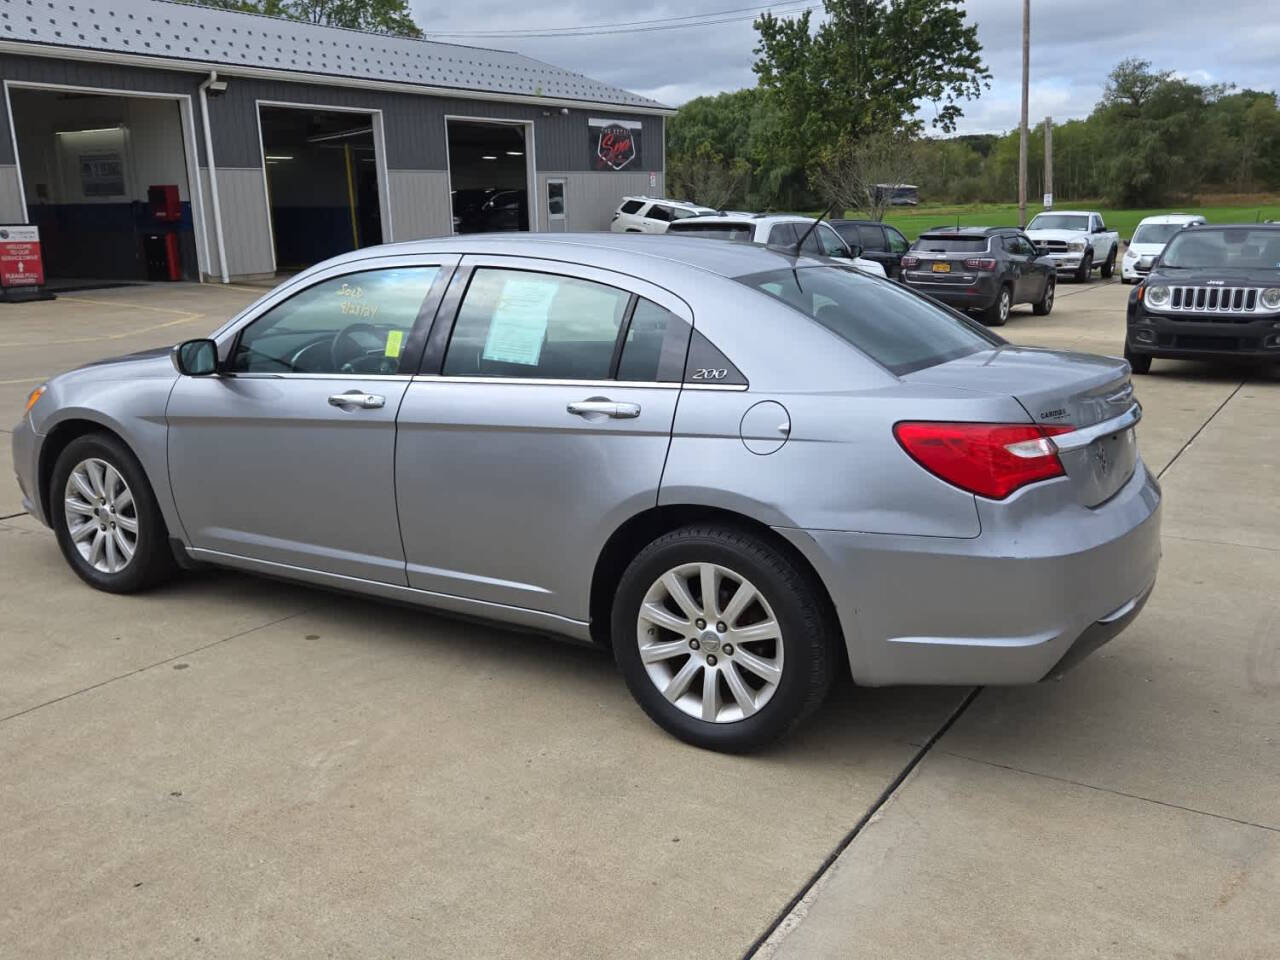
{"points": [[1238, 247], [950, 243], [899, 330], [717, 231], [1058, 221], [1155, 232]]}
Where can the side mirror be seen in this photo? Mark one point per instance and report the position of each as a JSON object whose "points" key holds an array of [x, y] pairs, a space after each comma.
{"points": [[855, 250], [196, 358]]}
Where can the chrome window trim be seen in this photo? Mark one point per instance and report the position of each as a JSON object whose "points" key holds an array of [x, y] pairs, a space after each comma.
{"points": [[552, 382], [263, 375]]}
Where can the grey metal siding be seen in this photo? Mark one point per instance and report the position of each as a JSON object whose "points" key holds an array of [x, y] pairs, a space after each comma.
{"points": [[245, 223], [420, 204], [10, 198]]}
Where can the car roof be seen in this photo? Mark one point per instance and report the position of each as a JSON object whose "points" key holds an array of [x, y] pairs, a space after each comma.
{"points": [[938, 232], [1171, 218], [1071, 213], [674, 203], [616, 251], [1269, 226]]}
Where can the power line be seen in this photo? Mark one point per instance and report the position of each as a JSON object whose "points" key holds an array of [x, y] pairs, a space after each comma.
{"points": [[635, 26]]}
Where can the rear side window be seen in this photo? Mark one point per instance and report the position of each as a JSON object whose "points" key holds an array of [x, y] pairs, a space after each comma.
{"points": [[897, 242], [517, 323], [899, 330], [869, 237], [632, 206], [655, 346], [949, 243], [783, 235]]}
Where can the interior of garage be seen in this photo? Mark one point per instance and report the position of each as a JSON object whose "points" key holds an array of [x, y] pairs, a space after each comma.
{"points": [[488, 176], [322, 183], [105, 180]]}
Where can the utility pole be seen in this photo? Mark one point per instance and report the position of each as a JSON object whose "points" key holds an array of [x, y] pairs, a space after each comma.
{"points": [[1022, 131], [1048, 161]]}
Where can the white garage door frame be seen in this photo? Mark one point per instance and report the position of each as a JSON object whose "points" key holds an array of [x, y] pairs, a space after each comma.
{"points": [[379, 162], [531, 179], [195, 191]]}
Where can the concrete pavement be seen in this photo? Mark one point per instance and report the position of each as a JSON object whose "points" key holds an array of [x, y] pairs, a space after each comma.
{"points": [[234, 767]]}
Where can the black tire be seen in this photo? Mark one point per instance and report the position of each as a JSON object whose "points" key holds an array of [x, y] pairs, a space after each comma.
{"points": [[1085, 271], [152, 562], [1044, 306], [1109, 265], [1140, 362], [799, 606], [997, 315]]}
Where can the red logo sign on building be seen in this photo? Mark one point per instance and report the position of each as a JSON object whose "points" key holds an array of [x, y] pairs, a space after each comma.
{"points": [[20, 261], [616, 143]]}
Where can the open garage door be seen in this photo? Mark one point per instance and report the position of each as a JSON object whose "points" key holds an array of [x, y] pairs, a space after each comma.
{"points": [[322, 182], [105, 179], [489, 175]]}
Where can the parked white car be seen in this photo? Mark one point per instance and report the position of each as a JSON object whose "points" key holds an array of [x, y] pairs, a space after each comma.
{"points": [[1148, 242], [780, 230], [1077, 241], [653, 214]]}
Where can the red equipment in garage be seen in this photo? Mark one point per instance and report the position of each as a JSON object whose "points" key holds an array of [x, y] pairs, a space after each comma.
{"points": [[165, 205], [164, 261]]}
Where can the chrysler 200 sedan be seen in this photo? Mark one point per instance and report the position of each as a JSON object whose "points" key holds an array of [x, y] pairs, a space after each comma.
{"points": [[736, 468]]}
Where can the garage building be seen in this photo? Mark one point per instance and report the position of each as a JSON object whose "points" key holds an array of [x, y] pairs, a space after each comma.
{"points": [[155, 140]]}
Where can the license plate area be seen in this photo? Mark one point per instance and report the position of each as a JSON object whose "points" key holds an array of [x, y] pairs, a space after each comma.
{"points": [[942, 268], [1104, 466]]}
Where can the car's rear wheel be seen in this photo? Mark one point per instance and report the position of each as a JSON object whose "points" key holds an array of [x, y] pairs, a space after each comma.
{"points": [[1139, 362], [1109, 265], [105, 516], [1085, 272], [723, 640], [1044, 306], [997, 315]]}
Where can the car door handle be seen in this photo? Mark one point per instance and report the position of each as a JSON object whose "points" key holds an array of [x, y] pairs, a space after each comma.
{"points": [[357, 398], [619, 411]]}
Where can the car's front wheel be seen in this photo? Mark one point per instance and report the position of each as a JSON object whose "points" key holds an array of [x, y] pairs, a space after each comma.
{"points": [[105, 516], [722, 638], [1109, 265], [1085, 272]]}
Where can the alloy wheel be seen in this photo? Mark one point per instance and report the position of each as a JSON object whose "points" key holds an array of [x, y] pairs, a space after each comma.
{"points": [[710, 642], [1004, 305], [101, 515]]}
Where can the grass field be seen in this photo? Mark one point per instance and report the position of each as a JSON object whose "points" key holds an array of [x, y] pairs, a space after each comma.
{"points": [[913, 221]]}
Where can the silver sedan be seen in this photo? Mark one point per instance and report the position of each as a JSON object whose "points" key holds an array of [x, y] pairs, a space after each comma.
{"points": [[734, 468]]}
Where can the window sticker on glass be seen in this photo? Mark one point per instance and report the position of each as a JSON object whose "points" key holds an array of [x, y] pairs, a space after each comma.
{"points": [[395, 341], [519, 324]]}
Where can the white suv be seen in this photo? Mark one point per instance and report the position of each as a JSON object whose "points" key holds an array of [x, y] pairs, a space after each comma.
{"points": [[782, 230], [1148, 242], [653, 215]]}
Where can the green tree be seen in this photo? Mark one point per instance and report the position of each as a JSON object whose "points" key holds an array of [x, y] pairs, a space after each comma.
{"points": [[373, 16], [866, 69]]}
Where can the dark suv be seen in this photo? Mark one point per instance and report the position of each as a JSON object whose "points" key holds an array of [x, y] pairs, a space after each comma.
{"points": [[981, 268], [879, 242], [1213, 293]]}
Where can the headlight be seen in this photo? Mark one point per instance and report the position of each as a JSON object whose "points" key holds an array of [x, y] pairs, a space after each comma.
{"points": [[38, 392], [1076, 245], [1130, 255], [1271, 298], [1158, 295]]}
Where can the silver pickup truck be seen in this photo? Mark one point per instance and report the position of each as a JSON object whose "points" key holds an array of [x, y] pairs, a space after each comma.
{"points": [[1077, 241]]}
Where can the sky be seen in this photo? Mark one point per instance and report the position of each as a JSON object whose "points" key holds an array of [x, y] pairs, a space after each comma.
{"points": [[1074, 45]]}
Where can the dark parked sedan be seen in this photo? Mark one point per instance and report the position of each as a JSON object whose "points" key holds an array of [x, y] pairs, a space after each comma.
{"points": [[1214, 293], [879, 242], [987, 269]]}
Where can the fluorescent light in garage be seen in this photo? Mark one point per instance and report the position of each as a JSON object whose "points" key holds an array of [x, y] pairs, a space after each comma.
{"points": [[515, 153], [278, 157], [488, 157]]}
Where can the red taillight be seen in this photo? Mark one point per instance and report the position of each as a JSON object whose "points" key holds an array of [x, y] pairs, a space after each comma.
{"points": [[980, 263], [910, 261], [989, 459]]}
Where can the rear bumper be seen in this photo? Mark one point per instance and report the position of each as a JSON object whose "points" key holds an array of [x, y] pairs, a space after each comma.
{"points": [[1156, 335], [1047, 582], [977, 295]]}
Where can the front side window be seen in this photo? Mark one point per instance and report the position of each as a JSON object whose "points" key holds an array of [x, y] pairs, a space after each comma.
{"points": [[830, 242], [659, 212], [869, 237], [899, 330], [357, 323], [897, 242], [517, 323]]}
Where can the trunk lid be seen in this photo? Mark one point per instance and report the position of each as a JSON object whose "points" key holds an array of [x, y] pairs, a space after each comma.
{"points": [[1058, 388]]}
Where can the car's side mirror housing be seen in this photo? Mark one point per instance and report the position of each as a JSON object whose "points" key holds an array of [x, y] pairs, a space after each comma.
{"points": [[196, 358], [855, 251]]}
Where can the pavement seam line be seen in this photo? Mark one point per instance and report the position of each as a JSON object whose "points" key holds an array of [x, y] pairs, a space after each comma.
{"points": [[1113, 792], [14, 516], [885, 796], [1220, 543], [158, 663], [1192, 439]]}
